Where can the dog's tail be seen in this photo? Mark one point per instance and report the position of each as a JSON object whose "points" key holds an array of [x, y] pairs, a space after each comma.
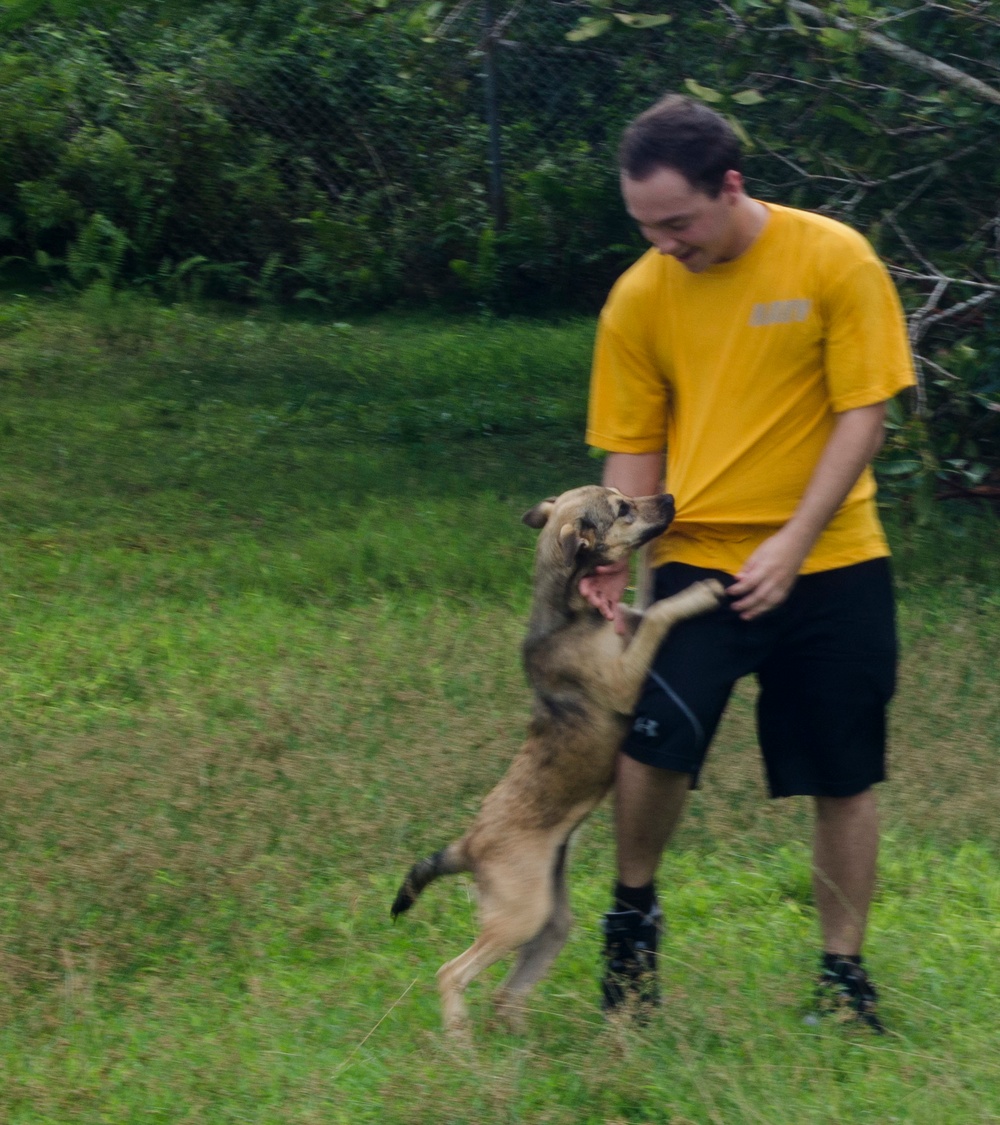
{"points": [[448, 861]]}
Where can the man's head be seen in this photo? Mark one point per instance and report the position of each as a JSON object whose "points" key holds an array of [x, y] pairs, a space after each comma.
{"points": [[682, 183], [686, 136]]}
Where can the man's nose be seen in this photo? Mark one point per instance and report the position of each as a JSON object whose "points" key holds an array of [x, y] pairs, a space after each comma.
{"points": [[662, 240]]}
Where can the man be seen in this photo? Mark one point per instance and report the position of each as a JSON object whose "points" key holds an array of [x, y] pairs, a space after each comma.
{"points": [[750, 352]]}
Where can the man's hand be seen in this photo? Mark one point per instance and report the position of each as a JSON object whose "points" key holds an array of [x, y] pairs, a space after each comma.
{"points": [[635, 474], [767, 577], [604, 590]]}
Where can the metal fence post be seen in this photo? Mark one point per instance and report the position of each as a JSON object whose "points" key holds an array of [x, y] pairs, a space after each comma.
{"points": [[496, 192]]}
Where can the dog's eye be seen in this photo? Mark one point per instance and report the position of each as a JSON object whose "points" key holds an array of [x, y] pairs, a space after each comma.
{"points": [[625, 512]]}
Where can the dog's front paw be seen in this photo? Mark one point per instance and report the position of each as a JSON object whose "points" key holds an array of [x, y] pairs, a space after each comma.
{"points": [[713, 589], [703, 596]]}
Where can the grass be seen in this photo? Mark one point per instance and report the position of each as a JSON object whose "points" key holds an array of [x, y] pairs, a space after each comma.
{"points": [[252, 668]]}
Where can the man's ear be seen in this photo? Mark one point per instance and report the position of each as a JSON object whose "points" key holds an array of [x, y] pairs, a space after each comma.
{"points": [[573, 538], [538, 516]]}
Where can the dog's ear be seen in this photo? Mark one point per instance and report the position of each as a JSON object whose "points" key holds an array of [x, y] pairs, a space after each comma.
{"points": [[574, 538], [538, 516]]}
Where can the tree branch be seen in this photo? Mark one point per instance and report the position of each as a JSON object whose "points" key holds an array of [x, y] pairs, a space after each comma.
{"points": [[919, 61], [916, 330], [955, 310]]}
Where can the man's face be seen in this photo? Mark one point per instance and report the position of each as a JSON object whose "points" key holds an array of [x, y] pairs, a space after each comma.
{"points": [[685, 223]]}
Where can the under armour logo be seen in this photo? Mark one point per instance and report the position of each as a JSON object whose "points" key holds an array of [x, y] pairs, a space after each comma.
{"points": [[648, 727]]}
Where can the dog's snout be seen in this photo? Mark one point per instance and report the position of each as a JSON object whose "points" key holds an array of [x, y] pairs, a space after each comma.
{"points": [[666, 505], [657, 513]]}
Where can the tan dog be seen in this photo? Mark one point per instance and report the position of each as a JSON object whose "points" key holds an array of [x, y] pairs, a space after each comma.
{"points": [[586, 680]]}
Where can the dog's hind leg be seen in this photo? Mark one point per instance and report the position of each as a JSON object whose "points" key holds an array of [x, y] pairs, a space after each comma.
{"points": [[536, 956], [512, 915]]}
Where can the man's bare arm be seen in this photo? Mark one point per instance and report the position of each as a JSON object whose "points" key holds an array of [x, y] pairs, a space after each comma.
{"points": [[767, 577]]}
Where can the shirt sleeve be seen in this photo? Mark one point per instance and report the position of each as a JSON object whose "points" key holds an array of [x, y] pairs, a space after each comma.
{"points": [[629, 396], [866, 351]]}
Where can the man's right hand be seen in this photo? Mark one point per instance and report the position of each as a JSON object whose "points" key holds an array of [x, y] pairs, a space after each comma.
{"points": [[605, 588], [634, 474]]}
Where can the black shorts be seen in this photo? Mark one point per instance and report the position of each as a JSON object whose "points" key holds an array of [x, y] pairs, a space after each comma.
{"points": [[825, 661]]}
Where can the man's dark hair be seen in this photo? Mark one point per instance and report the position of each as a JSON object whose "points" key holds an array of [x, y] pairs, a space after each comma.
{"points": [[683, 135]]}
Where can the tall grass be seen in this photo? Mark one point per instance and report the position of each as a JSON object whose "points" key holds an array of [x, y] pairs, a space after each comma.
{"points": [[263, 587]]}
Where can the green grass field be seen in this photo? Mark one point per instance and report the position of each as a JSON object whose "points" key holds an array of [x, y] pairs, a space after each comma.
{"points": [[262, 587]]}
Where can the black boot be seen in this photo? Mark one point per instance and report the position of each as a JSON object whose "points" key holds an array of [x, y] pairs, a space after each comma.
{"points": [[630, 940], [845, 991]]}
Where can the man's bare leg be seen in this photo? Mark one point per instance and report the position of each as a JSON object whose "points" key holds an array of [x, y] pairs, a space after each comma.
{"points": [[648, 806], [845, 855]]}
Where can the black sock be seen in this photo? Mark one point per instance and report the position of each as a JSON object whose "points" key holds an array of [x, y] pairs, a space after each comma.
{"points": [[829, 960], [634, 898]]}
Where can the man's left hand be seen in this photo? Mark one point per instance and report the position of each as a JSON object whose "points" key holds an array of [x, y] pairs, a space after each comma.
{"points": [[767, 577]]}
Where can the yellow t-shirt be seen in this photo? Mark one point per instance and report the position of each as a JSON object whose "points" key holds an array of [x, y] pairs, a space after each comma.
{"points": [[738, 372]]}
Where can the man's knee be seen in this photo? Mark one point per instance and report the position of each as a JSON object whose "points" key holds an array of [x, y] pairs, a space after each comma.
{"points": [[854, 805]]}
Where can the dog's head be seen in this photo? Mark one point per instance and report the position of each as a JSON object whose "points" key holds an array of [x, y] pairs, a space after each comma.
{"points": [[593, 526]]}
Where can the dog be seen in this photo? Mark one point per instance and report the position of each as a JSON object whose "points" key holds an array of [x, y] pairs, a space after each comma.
{"points": [[586, 680]]}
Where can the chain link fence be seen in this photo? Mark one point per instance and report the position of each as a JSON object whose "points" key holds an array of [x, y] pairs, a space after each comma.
{"points": [[360, 157]]}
